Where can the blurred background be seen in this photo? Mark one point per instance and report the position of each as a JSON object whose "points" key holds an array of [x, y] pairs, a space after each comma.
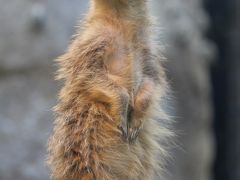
{"points": [[202, 44]]}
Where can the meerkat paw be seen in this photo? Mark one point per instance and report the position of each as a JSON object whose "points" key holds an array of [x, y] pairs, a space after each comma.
{"points": [[124, 130], [134, 128], [133, 134]]}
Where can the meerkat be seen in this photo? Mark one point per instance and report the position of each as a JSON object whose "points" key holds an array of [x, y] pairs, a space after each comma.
{"points": [[107, 123]]}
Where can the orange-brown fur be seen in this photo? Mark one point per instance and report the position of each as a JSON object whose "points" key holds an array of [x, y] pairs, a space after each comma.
{"points": [[106, 120]]}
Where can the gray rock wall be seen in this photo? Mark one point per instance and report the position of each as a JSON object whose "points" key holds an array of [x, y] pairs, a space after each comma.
{"points": [[189, 56], [33, 33]]}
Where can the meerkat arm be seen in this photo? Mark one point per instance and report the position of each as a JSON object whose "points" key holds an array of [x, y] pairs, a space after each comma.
{"points": [[93, 54], [116, 100], [140, 107]]}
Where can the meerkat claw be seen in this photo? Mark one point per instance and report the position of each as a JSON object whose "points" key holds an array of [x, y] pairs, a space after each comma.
{"points": [[133, 134], [124, 131]]}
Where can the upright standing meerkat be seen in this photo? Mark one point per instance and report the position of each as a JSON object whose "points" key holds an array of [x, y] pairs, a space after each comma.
{"points": [[107, 119]]}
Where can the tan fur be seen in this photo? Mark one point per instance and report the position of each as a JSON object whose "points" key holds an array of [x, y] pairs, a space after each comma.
{"points": [[106, 124]]}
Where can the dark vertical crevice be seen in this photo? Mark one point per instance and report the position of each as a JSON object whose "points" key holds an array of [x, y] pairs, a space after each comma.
{"points": [[223, 16]]}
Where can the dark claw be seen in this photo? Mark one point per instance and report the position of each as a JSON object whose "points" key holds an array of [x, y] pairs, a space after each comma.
{"points": [[124, 132], [133, 134]]}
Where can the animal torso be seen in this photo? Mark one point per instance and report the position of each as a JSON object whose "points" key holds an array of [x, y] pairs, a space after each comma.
{"points": [[106, 125]]}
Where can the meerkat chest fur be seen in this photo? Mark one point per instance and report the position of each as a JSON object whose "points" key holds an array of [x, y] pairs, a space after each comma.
{"points": [[129, 23], [125, 64], [106, 126]]}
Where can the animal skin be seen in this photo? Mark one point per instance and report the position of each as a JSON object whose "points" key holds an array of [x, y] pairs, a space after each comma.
{"points": [[110, 124]]}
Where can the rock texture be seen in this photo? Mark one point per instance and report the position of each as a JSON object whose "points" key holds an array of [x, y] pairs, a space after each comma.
{"points": [[33, 33], [189, 56]]}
